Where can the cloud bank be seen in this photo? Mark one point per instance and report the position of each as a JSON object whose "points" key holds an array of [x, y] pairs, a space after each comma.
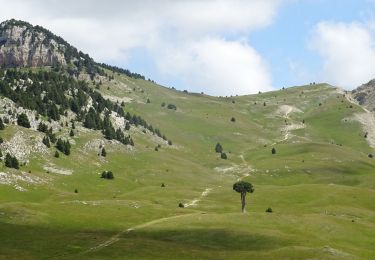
{"points": [[348, 52], [197, 41]]}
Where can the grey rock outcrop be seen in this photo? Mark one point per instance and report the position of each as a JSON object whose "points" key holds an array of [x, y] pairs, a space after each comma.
{"points": [[21, 45], [365, 95]]}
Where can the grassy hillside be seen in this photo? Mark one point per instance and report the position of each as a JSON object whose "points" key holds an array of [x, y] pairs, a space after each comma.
{"points": [[320, 183]]}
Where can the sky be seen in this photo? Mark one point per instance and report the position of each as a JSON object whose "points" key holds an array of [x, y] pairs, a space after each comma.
{"points": [[219, 47]]}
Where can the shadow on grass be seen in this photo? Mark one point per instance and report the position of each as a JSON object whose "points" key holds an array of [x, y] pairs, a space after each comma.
{"points": [[212, 239]]}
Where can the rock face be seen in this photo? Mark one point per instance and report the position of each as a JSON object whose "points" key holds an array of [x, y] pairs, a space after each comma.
{"points": [[365, 95], [23, 45]]}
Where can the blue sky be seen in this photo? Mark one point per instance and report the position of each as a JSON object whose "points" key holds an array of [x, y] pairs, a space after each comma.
{"points": [[220, 47]]}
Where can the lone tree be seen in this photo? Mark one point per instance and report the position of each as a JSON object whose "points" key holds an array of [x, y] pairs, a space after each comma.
{"points": [[273, 151], [243, 187]]}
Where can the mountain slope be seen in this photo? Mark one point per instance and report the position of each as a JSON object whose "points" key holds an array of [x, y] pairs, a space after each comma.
{"points": [[320, 182]]}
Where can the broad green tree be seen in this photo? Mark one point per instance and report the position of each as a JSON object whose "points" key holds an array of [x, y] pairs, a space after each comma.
{"points": [[243, 187]]}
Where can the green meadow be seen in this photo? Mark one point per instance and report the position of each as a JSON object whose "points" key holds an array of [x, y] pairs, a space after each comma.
{"points": [[320, 183]]}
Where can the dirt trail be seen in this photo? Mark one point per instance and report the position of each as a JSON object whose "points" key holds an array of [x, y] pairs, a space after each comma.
{"points": [[195, 202]]}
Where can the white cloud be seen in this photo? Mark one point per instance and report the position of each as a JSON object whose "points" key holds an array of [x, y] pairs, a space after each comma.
{"points": [[194, 30], [348, 53], [218, 67]]}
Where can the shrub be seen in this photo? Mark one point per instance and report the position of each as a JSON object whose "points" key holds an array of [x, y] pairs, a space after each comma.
{"points": [[163, 104], [269, 210], [273, 151], [370, 156], [11, 161], [223, 156], [169, 142], [233, 119], [172, 106], [104, 153], [218, 148], [162, 185], [2, 126], [57, 155], [71, 132], [23, 120], [75, 191], [107, 175], [46, 141], [148, 101], [181, 205]]}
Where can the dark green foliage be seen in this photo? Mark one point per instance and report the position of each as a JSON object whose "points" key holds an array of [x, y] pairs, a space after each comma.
{"points": [[71, 133], [169, 142], [46, 141], [370, 155], [181, 205], [243, 187], [23, 120], [218, 148], [163, 104], [42, 127], [233, 119], [223, 156], [2, 126], [107, 175], [1, 154], [104, 153], [57, 155], [273, 151], [63, 146], [122, 71], [269, 210], [172, 106], [76, 191], [148, 101], [127, 126], [11, 161], [1, 140], [162, 185]]}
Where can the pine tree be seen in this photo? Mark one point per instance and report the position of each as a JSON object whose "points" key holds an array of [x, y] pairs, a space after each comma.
{"points": [[57, 155], [71, 132], [2, 126], [46, 141], [104, 153], [23, 120]]}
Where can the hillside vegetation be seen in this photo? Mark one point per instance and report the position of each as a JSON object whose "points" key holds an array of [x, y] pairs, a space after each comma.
{"points": [[115, 166]]}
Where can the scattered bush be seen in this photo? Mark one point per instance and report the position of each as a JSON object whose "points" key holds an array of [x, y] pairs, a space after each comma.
{"points": [[46, 141], [104, 153], [181, 205], [273, 151], [223, 156], [63, 146], [11, 161], [162, 185], [107, 175], [269, 210], [23, 120], [163, 104], [169, 142], [218, 148], [233, 119], [75, 191], [71, 133], [2, 126], [370, 155], [57, 155], [172, 106]]}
